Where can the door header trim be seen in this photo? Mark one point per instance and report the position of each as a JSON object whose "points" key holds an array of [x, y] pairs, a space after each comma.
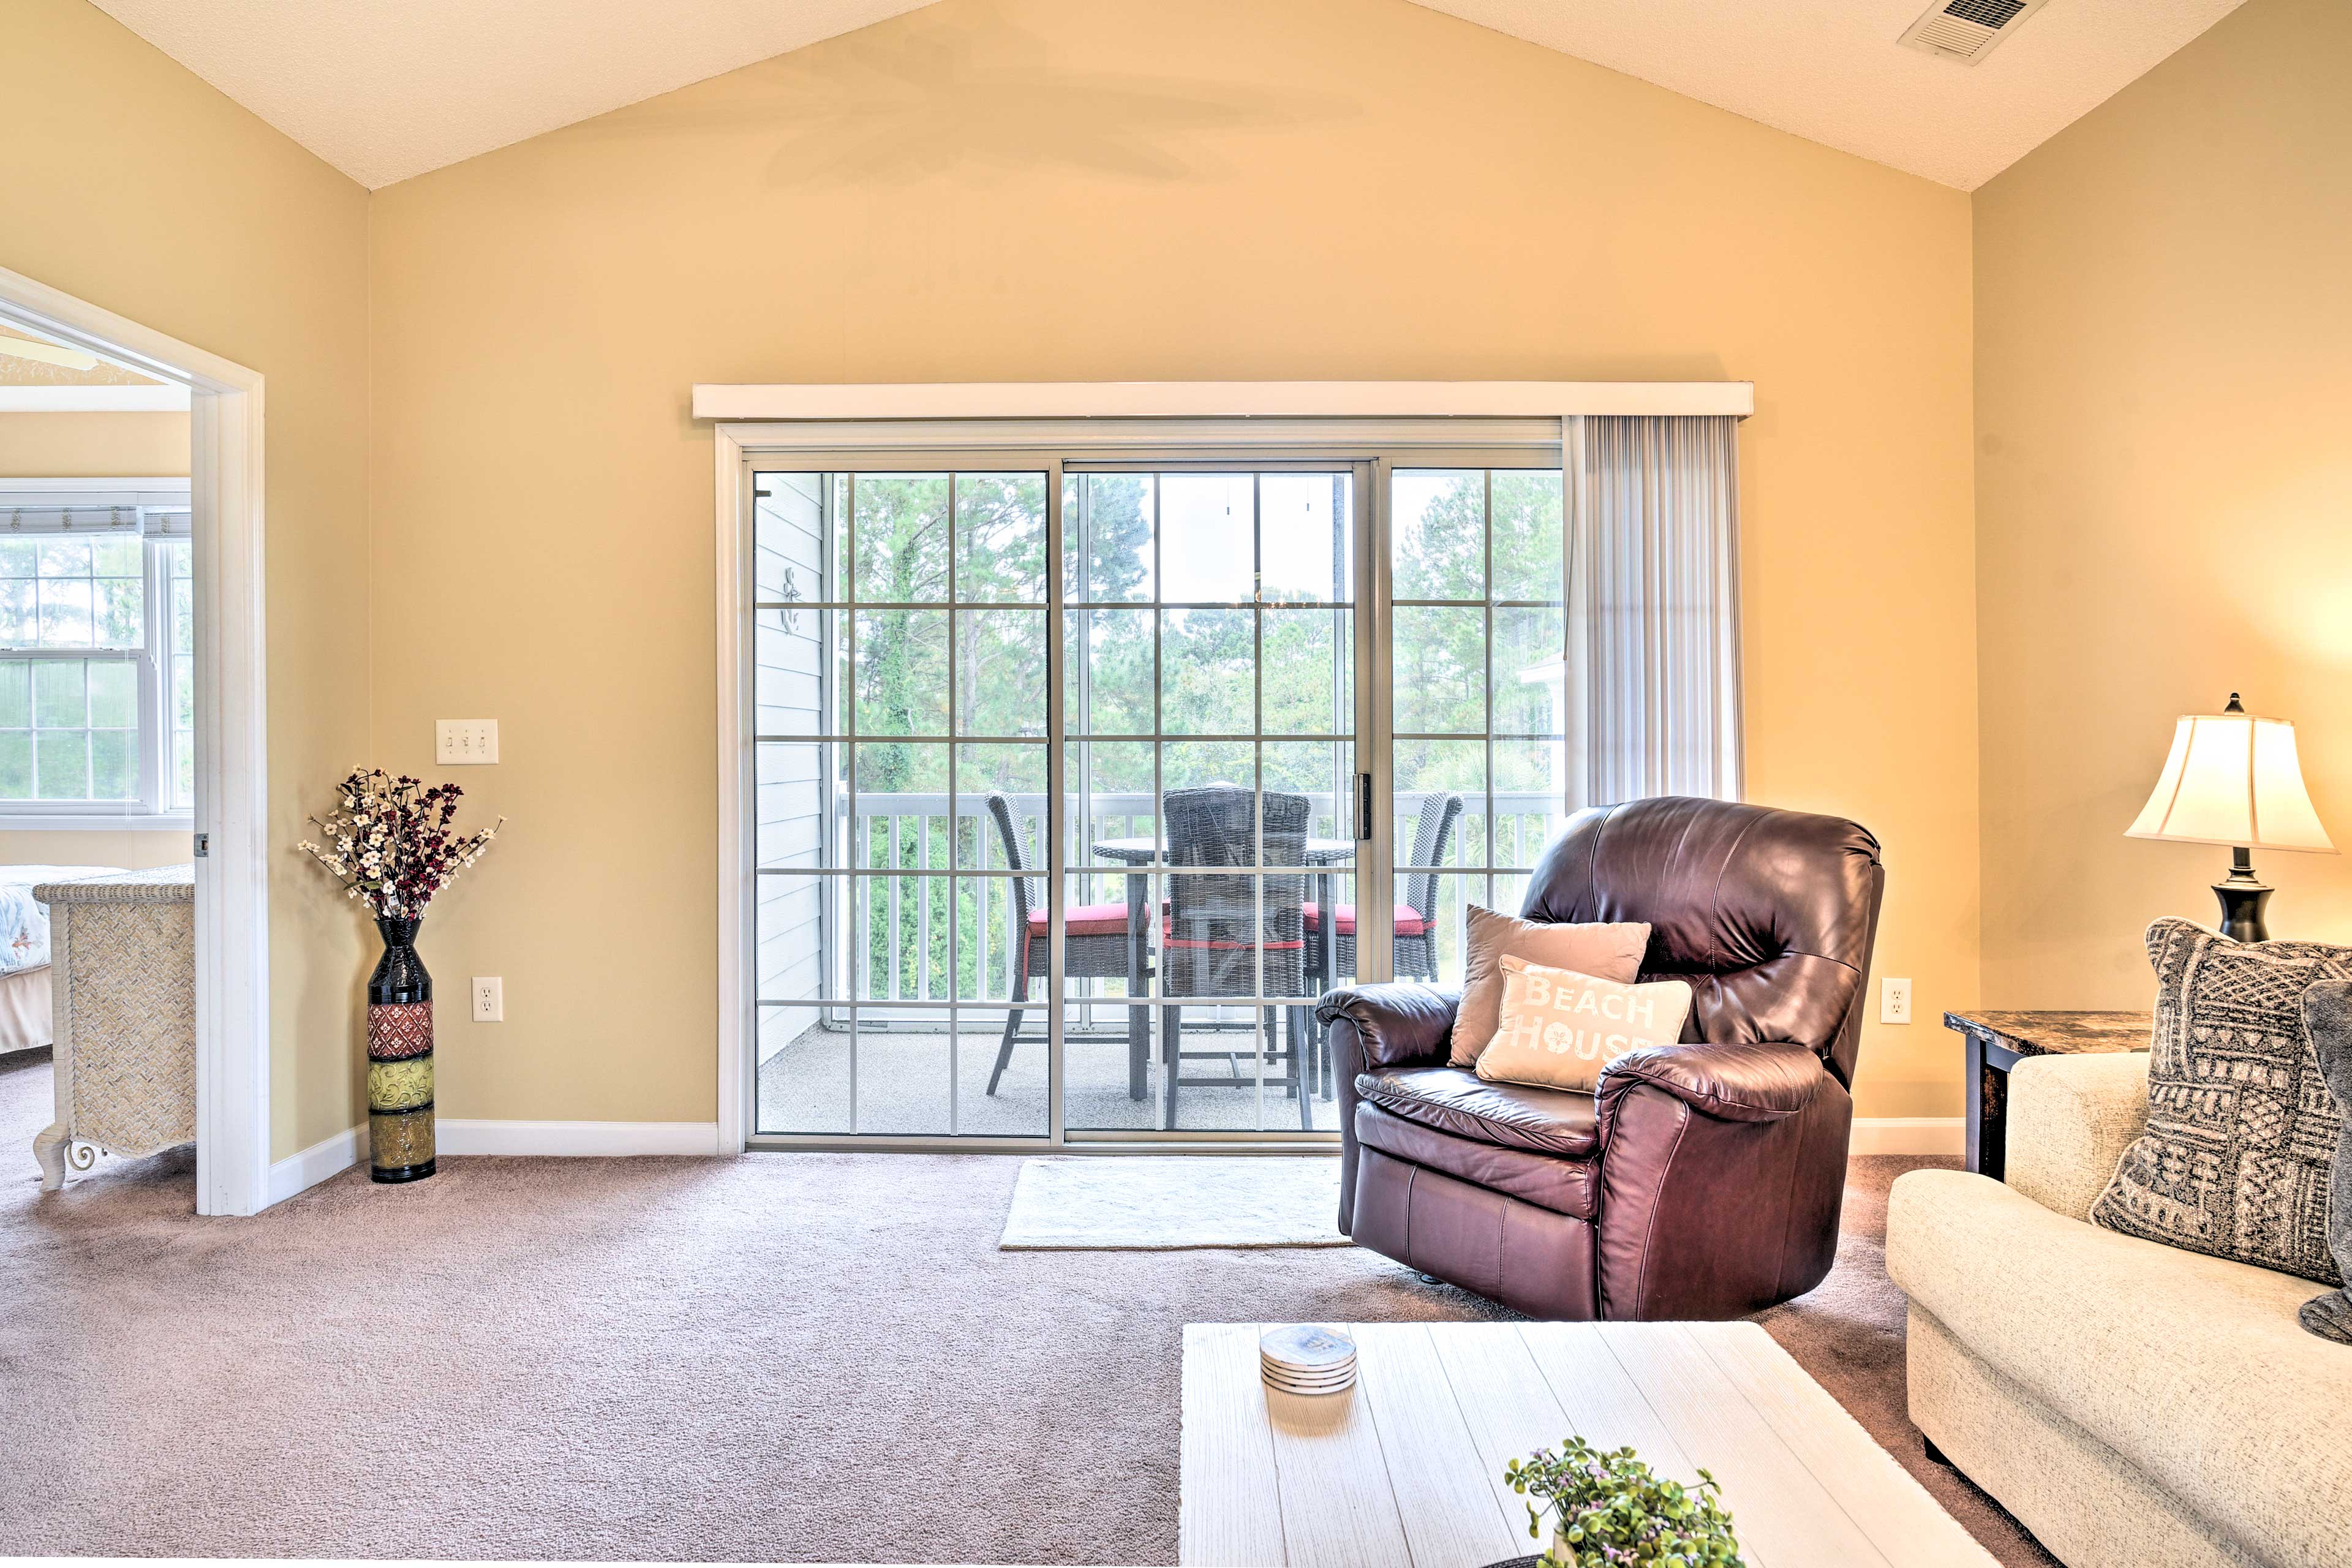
{"points": [[1218, 399]]}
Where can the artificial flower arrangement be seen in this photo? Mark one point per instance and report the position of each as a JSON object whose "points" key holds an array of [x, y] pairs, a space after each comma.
{"points": [[389, 842], [1611, 1509]]}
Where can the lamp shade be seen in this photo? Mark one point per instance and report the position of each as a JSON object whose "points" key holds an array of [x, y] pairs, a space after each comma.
{"points": [[2232, 778]]}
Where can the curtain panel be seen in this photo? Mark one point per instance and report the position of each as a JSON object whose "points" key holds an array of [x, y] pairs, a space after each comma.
{"points": [[1653, 694]]}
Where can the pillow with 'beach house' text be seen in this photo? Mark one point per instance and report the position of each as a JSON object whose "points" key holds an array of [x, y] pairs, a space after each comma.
{"points": [[1559, 1028]]}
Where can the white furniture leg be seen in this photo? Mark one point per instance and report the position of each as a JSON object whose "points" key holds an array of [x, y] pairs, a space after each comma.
{"points": [[49, 1149]]}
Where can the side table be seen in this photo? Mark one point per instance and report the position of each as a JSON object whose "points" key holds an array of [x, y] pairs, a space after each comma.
{"points": [[1996, 1042]]}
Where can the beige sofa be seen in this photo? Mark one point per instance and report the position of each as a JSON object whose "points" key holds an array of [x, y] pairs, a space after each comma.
{"points": [[2133, 1404]]}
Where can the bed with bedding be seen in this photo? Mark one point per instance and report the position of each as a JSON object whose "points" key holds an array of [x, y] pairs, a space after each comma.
{"points": [[25, 952]]}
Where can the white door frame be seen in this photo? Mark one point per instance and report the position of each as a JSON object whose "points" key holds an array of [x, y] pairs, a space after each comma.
{"points": [[232, 909], [748, 417]]}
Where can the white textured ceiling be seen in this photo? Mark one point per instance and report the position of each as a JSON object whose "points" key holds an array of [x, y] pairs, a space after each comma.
{"points": [[1831, 72], [387, 89]]}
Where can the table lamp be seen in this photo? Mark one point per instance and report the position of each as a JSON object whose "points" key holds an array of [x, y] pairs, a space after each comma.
{"points": [[2234, 779]]}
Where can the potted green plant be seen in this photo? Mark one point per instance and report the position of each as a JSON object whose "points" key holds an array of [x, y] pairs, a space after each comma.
{"points": [[1611, 1509]]}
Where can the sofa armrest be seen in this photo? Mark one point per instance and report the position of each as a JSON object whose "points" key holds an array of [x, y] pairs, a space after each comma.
{"points": [[1395, 1025], [1731, 1082], [2070, 1120]]}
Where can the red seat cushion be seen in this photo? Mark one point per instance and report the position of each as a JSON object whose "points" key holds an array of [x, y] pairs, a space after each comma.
{"points": [[1087, 920], [1408, 919]]}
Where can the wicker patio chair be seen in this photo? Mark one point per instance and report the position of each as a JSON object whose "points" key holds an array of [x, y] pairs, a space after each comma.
{"points": [[1221, 929], [1094, 937], [1416, 916]]}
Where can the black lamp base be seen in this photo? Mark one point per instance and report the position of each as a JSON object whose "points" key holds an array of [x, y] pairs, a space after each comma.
{"points": [[2243, 900]]}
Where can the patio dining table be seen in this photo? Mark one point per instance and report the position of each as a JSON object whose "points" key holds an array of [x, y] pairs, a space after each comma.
{"points": [[1142, 856]]}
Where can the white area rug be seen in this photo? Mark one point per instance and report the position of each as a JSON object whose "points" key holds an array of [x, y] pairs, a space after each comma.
{"points": [[1156, 1203]]}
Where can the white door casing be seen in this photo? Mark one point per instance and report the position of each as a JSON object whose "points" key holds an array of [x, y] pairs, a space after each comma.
{"points": [[232, 779]]}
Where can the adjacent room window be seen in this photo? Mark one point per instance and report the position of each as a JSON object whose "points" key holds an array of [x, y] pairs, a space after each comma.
{"points": [[96, 656]]}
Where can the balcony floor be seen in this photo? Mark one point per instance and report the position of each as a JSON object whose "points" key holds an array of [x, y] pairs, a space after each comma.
{"points": [[903, 1077]]}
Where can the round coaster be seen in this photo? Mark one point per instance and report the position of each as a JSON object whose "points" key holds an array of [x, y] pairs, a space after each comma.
{"points": [[1274, 1372], [1306, 1347], [1341, 1387], [1307, 1358]]}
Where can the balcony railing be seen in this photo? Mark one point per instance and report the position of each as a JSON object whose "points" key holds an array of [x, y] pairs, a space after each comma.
{"points": [[910, 830]]}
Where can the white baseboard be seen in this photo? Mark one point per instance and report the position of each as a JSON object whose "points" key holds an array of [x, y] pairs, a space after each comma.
{"points": [[588, 1138], [296, 1173], [299, 1173], [1945, 1135]]}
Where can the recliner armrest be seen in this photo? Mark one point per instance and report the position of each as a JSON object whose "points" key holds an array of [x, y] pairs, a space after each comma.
{"points": [[1375, 1029], [1397, 1024], [1731, 1082]]}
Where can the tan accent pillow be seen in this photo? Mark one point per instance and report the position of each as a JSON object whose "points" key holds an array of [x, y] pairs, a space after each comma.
{"points": [[1560, 1029], [1606, 951]]}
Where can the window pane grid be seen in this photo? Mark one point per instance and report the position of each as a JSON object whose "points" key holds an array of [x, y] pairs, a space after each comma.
{"points": [[1477, 558], [930, 617], [96, 669], [965, 614]]}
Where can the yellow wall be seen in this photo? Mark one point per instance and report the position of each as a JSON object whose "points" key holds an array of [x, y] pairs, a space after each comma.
{"points": [[2165, 488], [93, 446], [265, 265], [1051, 190]]}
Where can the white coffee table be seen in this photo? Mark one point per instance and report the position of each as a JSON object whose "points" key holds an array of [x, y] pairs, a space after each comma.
{"points": [[1407, 1467]]}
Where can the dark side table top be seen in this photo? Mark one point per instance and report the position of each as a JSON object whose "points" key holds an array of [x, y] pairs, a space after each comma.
{"points": [[2058, 1034]]}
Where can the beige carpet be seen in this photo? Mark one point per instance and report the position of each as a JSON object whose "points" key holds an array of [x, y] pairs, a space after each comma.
{"points": [[812, 1357]]}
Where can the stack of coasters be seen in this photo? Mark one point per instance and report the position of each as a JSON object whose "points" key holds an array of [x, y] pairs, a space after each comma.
{"points": [[1307, 1358]]}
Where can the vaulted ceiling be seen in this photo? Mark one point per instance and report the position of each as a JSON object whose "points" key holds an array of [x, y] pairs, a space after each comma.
{"points": [[384, 89]]}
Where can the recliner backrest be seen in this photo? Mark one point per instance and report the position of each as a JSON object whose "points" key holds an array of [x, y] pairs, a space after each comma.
{"points": [[1768, 914]]}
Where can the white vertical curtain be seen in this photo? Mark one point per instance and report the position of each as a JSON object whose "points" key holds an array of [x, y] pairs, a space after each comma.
{"points": [[1653, 653]]}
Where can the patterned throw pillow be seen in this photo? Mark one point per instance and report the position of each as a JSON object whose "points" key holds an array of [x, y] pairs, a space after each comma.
{"points": [[1560, 1029], [2241, 1126]]}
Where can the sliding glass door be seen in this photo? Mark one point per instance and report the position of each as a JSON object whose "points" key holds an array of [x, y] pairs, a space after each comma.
{"points": [[1062, 764], [1210, 648], [900, 648]]}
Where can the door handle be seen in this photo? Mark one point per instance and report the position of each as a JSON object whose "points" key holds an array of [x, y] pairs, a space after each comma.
{"points": [[1363, 808]]}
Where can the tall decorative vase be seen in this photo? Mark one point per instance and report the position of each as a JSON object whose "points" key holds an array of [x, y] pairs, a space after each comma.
{"points": [[400, 1059]]}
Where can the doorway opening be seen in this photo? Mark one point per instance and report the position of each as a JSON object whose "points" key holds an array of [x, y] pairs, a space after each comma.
{"points": [[133, 705]]}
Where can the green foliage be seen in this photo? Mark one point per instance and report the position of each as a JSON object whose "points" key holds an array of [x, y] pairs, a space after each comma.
{"points": [[1285, 669], [1611, 1509]]}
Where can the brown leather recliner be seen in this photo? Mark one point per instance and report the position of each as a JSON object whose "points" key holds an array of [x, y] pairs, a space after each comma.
{"points": [[1701, 1180]]}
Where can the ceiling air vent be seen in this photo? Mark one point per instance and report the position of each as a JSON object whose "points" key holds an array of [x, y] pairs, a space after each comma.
{"points": [[1966, 30]]}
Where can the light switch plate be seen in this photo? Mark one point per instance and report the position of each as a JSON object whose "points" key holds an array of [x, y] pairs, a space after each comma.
{"points": [[1895, 1001], [457, 741], [490, 999]]}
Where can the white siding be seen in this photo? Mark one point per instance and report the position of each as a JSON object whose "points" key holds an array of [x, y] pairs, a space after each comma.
{"points": [[789, 816]]}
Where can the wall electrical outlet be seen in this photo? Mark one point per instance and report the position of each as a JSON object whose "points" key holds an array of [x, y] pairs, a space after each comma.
{"points": [[490, 999], [1895, 1001], [460, 741]]}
